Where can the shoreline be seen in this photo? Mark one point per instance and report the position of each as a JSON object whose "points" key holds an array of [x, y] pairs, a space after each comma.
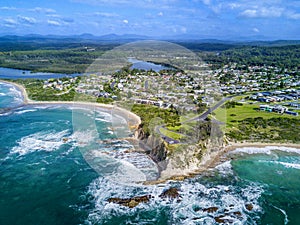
{"points": [[210, 161], [219, 157], [125, 113], [232, 146]]}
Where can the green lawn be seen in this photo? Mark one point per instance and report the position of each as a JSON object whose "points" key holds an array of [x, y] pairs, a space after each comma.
{"points": [[171, 134], [247, 110]]}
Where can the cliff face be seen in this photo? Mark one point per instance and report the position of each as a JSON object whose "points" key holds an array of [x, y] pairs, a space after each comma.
{"points": [[153, 145], [181, 159], [189, 158]]}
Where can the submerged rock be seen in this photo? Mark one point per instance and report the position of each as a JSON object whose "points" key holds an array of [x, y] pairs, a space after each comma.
{"points": [[223, 219], [130, 202], [170, 193], [238, 214], [249, 207], [211, 209]]}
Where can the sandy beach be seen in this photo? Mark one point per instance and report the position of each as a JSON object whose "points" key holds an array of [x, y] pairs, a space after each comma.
{"points": [[214, 159], [132, 118], [231, 146], [209, 161]]}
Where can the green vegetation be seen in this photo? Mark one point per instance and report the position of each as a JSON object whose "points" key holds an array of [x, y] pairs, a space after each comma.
{"points": [[171, 134], [280, 56], [246, 122], [36, 92], [231, 104], [260, 129], [153, 115], [74, 60]]}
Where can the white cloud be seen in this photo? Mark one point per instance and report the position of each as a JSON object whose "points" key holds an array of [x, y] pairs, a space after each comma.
{"points": [[54, 15], [256, 30], [293, 15], [234, 5], [249, 13], [42, 10], [263, 12], [53, 23], [183, 30], [105, 14], [7, 8], [160, 14], [105, 2], [27, 20], [125, 21], [206, 2], [9, 22]]}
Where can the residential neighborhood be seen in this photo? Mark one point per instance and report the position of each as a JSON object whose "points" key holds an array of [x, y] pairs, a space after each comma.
{"points": [[187, 90]]}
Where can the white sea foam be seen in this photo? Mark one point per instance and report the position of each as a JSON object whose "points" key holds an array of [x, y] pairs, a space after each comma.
{"points": [[41, 141], [110, 132], [265, 150], [229, 201], [120, 119], [3, 94], [103, 120], [286, 220], [291, 165], [118, 163], [41, 107], [25, 111], [83, 138], [6, 113], [225, 168], [285, 164], [17, 94]]}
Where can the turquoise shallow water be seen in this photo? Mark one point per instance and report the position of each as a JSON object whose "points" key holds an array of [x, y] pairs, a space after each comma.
{"points": [[9, 96], [53, 171]]}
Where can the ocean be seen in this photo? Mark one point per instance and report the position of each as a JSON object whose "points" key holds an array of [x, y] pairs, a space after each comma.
{"points": [[54, 171]]}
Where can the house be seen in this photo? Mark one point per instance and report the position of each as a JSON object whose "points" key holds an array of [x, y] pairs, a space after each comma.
{"points": [[292, 113]]}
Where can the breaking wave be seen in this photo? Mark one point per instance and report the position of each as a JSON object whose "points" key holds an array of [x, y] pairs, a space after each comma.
{"points": [[198, 204], [40, 141]]}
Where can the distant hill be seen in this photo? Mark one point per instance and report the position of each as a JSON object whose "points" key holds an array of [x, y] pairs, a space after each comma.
{"points": [[35, 41]]}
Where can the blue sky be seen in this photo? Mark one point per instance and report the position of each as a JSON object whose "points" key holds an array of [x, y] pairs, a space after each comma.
{"points": [[273, 19]]}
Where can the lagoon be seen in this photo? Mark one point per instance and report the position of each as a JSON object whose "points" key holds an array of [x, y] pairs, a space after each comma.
{"points": [[9, 73]]}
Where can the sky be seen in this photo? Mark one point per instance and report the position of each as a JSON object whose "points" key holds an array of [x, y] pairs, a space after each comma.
{"points": [[221, 19]]}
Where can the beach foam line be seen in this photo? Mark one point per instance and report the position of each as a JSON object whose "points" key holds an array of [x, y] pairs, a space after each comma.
{"points": [[25, 111], [119, 111], [225, 168], [265, 150]]}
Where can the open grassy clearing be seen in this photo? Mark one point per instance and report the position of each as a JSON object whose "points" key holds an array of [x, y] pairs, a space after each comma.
{"points": [[171, 134], [232, 116]]}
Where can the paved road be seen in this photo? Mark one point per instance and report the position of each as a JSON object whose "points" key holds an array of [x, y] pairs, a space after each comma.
{"points": [[204, 115], [201, 117]]}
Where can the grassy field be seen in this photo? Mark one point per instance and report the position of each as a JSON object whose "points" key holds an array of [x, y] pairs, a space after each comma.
{"points": [[247, 122], [171, 134], [232, 115]]}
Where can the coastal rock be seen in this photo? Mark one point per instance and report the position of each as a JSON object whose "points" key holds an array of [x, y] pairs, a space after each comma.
{"points": [[130, 202], [170, 193], [223, 219], [249, 207], [153, 145], [238, 214], [211, 209], [139, 133]]}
